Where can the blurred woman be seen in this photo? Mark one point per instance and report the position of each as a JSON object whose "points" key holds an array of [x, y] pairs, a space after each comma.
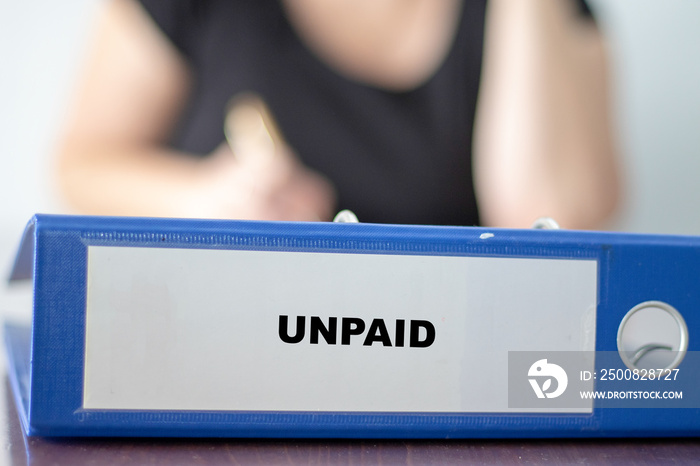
{"points": [[405, 111]]}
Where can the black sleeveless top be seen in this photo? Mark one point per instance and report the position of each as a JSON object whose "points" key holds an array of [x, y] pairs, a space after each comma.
{"points": [[394, 157]]}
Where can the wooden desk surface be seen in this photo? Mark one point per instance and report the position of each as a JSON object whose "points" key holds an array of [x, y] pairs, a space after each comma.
{"points": [[19, 450]]}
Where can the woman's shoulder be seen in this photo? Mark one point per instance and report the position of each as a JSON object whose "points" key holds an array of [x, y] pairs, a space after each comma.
{"points": [[186, 23]]}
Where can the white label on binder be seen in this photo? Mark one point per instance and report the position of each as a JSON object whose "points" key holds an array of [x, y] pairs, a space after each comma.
{"points": [[198, 329]]}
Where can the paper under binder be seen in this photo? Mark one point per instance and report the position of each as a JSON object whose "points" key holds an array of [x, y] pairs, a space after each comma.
{"points": [[169, 327]]}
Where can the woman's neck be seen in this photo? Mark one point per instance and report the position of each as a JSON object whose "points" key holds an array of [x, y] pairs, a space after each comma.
{"points": [[393, 44]]}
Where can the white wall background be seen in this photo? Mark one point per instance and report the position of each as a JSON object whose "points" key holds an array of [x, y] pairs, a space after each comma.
{"points": [[655, 47], [41, 44]]}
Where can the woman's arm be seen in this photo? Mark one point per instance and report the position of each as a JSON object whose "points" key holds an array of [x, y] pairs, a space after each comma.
{"points": [[113, 160], [543, 144]]}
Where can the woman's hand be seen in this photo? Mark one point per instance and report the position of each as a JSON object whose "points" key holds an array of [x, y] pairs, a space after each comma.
{"points": [[112, 157], [256, 175], [259, 186]]}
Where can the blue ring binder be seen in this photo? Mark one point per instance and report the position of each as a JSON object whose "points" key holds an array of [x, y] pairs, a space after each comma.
{"points": [[47, 362]]}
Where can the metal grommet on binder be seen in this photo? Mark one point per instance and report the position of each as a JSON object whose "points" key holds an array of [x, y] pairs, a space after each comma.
{"points": [[546, 223], [346, 216], [653, 334]]}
